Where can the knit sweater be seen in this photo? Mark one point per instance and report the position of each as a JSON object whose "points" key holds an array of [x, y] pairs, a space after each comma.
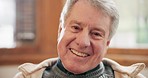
{"points": [[103, 70]]}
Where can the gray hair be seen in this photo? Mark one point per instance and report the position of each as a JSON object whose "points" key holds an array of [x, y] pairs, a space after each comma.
{"points": [[106, 6]]}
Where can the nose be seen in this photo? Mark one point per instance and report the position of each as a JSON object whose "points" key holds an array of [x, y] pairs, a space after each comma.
{"points": [[83, 39]]}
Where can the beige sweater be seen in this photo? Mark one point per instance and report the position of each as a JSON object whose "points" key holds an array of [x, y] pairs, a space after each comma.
{"points": [[29, 70]]}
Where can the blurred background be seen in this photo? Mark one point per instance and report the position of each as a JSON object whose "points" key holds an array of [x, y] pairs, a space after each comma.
{"points": [[28, 33]]}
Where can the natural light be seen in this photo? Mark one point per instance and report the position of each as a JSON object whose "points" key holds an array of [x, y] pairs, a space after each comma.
{"points": [[7, 23], [133, 25]]}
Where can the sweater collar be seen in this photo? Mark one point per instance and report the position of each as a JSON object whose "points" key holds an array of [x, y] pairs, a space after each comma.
{"points": [[59, 69]]}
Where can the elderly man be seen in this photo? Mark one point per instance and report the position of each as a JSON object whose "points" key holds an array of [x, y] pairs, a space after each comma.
{"points": [[85, 30]]}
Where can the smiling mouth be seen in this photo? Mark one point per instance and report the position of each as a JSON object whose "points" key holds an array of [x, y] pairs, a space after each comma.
{"points": [[80, 54]]}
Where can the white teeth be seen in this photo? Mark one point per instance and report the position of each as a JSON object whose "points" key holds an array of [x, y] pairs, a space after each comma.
{"points": [[79, 53]]}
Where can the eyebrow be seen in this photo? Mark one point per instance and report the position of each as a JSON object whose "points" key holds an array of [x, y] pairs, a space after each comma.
{"points": [[94, 28], [74, 21]]}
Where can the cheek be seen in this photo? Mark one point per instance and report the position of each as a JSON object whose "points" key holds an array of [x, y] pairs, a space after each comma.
{"points": [[100, 48], [61, 44], [61, 48], [64, 41]]}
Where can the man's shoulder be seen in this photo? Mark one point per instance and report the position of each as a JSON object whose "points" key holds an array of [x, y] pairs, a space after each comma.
{"points": [[29, 68], [108, 70], [131, 71]]}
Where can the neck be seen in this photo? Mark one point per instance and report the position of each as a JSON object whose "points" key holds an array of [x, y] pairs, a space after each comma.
{"points": [[61, 67]]}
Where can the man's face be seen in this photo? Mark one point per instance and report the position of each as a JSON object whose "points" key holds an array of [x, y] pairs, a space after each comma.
{"points": [[83, 40]]}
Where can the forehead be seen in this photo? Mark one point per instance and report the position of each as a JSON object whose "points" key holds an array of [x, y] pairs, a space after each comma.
{"points": [[84, 12]]}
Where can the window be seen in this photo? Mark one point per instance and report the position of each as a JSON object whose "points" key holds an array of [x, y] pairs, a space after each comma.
{"points": [[131, 38], [7, 23], [133, 25], [35, 29], [25, 22], [17, 22]]}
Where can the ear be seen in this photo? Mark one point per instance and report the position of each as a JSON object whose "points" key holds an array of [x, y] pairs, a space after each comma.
{"points": [[108, 42]]}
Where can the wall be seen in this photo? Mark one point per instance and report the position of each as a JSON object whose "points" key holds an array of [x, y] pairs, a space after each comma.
{"points": [[8, 71]]}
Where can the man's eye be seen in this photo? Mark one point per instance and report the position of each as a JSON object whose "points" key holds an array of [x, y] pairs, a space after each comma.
{"points": [[75, 28], [96, 35]]}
